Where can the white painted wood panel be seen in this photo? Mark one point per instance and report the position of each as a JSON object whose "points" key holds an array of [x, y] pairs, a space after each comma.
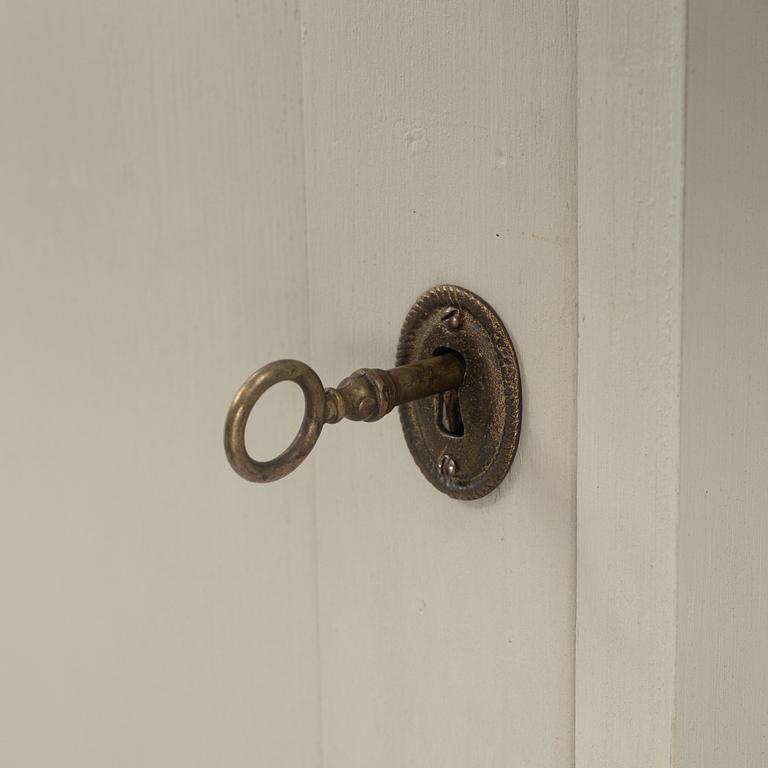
{"points": [[162, 234], [672, 630], [630, 117], [156, 610], [441, 148], [722, 648]]}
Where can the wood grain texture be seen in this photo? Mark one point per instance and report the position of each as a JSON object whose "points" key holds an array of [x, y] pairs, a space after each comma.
{"points": [[156, 610], [630, 118], [441, 148], [722, 649]]}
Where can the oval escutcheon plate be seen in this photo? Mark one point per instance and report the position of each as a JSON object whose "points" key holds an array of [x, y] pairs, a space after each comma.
{"points": [[464, 441]]}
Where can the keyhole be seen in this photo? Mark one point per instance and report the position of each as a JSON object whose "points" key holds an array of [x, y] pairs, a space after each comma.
{"points": [[449, 413], [449, 420]]}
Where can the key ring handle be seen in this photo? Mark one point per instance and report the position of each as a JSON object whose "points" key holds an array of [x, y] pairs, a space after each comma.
{"points": [[242, 405]]}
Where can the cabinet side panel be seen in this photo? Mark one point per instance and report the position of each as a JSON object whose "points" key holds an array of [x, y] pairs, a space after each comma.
{"points": [[722, 681]]}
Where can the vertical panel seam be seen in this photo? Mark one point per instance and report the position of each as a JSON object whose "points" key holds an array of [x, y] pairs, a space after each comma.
{"points": [[304, 149], [683, 128]]}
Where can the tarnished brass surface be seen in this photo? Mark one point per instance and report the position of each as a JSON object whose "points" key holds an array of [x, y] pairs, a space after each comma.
{"points": [[366, 395], [464, 440], [457, 383], [242, 405]]}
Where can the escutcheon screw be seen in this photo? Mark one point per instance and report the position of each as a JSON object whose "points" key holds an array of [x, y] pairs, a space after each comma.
{"points": [[447, 467], [453, 317]]}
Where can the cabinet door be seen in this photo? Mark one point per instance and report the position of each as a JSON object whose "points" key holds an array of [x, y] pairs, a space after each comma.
{"points": [[156, 611], [440, 147], [191, 190]]}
